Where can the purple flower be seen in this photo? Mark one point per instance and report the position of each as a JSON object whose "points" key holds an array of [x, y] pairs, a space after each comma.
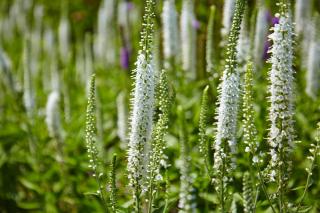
{"points": [[125, 58], [275, 20], [130, 5], [195, 24], [267, 45], [272, 19]]}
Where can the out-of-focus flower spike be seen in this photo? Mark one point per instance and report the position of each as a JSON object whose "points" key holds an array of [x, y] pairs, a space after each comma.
{"points": [[170, 31], [261, 33], [228, 13], [122, 119], [64, 37], [28, 84], [302, 15], [187, 199], [188, 39], [313, 65], [209, 44]]}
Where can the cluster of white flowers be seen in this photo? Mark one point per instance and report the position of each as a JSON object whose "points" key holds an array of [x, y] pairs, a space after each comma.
{"points": [[141, 120], [281, 134], [170, 29], [261, 34], [188, 39], [186, 196], [227, 118]]}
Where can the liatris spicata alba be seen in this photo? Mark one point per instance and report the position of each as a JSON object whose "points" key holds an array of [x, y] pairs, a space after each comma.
{"points": [[227, 112], [142, 107], [281, 111]]}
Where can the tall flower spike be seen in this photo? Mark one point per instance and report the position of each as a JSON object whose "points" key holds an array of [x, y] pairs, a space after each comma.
{"points": [[141, 121], [28, 86], [186, 196], [158, 158], [303, 9], [243, 47], [188, 39], [64, 36], [313, 73], [53, 115], [204, 140], [104, 43], [122, 118], [261, 33], [249, 129], [91, 139], [225, 143], [53, 122], [142, 107], [281, 111], [170, 30], [209, 45]]}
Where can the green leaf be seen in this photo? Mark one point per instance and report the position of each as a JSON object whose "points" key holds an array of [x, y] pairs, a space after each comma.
{"points": [[26, 183]]}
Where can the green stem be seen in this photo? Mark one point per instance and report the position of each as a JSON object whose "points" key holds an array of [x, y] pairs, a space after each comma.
{"points": [[150, 194], [264, 189], [222, 188], [137, 197], [308, 179], [101, 194]]}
